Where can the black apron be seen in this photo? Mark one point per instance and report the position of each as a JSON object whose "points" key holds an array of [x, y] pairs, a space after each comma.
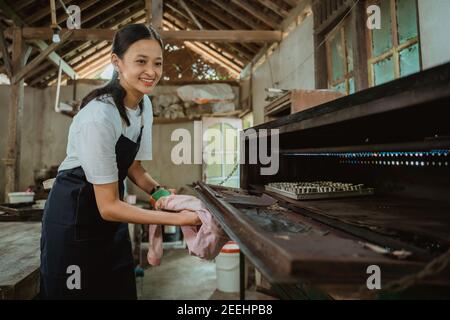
{"points": [[74, 234]]}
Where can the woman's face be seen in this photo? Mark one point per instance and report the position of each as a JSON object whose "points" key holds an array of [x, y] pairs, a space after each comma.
{"points": [[141, 66]]}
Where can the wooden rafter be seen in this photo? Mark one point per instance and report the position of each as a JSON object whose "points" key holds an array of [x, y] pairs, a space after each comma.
{"points": [[248, 48], [256, 13], [218, 21], [206, 53], [41, 45], [83, 8], [189, 12], [135, 19], [226, 7], [274, 7], [20, 74], [44, 12], [177, 25]]}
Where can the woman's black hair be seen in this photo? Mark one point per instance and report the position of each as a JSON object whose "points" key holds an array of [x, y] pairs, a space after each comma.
{"points": [[123, 39]]}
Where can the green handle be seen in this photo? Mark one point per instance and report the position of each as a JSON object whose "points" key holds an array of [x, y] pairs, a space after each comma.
{"points": [[160, 193]]}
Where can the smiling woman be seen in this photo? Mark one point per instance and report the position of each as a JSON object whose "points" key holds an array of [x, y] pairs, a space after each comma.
{"points": [[85, 218]]}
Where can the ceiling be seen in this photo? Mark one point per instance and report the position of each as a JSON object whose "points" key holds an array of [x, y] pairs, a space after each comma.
{"points": [[91, 57]]}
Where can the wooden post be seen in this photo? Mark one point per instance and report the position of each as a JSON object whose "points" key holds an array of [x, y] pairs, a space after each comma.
{"points": [[359, 47], [157, 14], [320, 57], [148, 11], [15, 111]]}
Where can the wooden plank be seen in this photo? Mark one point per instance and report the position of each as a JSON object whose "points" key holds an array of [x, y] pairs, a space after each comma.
{"points": [[44, 54], [186, 35], [19, 259], [157, 14]]}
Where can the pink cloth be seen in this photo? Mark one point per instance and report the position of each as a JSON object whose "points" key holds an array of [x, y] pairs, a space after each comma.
{"points": [[203, 241]]}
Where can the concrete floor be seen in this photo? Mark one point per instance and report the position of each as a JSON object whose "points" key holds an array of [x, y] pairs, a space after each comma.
{"points": [[180, 276], [184, 277]]}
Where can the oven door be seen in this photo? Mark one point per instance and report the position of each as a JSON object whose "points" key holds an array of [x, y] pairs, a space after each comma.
{"points": [[291, 244]]}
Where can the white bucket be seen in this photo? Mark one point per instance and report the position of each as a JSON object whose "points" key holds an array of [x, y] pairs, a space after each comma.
{"points": [[227, 268]]}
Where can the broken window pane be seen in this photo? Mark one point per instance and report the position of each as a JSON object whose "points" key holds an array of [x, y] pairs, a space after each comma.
{"points": [[406, 20], [382, 38], [340, 87], [337, 56], [409, 60], [383, 71], [351, 85], [349, 45]]}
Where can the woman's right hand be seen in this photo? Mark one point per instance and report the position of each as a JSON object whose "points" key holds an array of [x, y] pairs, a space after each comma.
{"points": [[191, 217]]}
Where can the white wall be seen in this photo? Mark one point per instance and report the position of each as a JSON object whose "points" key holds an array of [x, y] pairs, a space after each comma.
{"points": [[291, 66], [434, 22]]}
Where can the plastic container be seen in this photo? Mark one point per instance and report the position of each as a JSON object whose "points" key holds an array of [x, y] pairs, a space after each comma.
{"points": [[21, 197], [227, 268]]}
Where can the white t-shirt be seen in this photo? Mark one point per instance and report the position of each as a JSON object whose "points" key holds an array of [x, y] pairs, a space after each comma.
{"points": [[93, 135]]}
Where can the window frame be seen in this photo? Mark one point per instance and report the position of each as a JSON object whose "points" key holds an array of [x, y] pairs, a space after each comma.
{"points": [[340, 28], [396, 47]]}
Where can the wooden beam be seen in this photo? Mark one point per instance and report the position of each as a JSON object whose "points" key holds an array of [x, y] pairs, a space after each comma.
{"points": [[222, 61], [157, 14], [256, 13], [212, 16], [41, 45], [138, 19], [216, 23], [15, 109], [42, 56], [5, 54], [186, 35], [189, 12]]}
